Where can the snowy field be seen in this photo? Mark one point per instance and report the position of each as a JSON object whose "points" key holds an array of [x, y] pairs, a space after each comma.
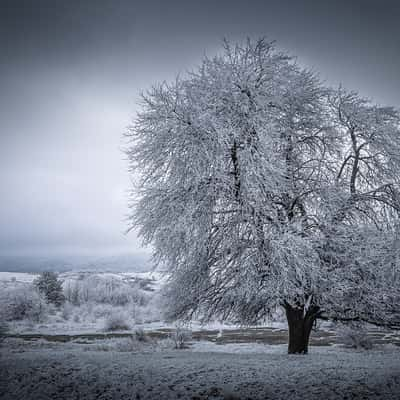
{"points": [[68, 353], [112, 370], [26, 277]]}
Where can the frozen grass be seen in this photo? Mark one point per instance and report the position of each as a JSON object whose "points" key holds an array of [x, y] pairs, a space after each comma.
{"points": [[120, 369]]}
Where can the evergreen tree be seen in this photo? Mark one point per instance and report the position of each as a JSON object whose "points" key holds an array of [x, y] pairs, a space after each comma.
{"points": [[51, 287]]}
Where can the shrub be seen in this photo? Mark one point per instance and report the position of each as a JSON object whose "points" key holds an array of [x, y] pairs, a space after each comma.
{"points": [[116, 322], [51, 287], [3, 331], [181, 336], [24, 303], [75, 298], [119, 296], [140, 335], [139, 296], [102, 310], [66, 311], [104, 290], [355, 337]]}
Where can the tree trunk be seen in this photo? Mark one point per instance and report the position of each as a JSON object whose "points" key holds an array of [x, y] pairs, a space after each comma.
{"points": [[300, 325]]}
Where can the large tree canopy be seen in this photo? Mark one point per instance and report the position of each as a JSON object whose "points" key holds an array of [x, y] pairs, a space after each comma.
{"points": [[260, 187]]}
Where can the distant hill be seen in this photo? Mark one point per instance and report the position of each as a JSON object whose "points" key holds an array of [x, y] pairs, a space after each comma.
{"points": [[115, 263]]}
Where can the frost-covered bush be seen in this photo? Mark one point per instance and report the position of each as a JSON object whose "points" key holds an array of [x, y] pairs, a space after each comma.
{"points": [[72, 293], [92, 312], [119, 297], [24, 303], [119, 293], [102, 310], [3, 330], [140, 297], [104, 290], [181, 336], [51, 287], [116, 322], [67, 311], [141, 335], [355, 337], [152, 311]]}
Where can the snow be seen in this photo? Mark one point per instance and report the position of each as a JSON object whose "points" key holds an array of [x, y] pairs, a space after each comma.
{"points": [[231, 363], [261, 189], [238, 348], [89, 316], [74, 371], [21, 277], [157, 279]]}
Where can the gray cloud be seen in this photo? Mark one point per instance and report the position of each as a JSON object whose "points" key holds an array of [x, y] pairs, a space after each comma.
{"points": [[70, 74]]}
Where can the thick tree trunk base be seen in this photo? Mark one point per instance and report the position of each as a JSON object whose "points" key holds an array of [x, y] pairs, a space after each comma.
{"points": [[300, 324]]}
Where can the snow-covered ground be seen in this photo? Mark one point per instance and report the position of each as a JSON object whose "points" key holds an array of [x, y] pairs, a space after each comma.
{"points": [[21, 277], [206, 371], [157, 278], [222, 362]]}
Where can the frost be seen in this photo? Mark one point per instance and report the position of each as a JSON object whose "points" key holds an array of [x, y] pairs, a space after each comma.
{"points": [[260, 187]]}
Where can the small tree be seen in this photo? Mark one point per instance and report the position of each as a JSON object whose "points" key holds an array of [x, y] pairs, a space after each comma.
{"points": [[261, 188], [51, 287]]}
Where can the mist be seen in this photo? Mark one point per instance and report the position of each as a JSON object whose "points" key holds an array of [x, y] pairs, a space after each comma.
{"points": [[71, 77]]}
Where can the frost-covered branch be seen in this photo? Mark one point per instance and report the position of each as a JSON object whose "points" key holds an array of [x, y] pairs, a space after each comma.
{"points": [[259, 187]]}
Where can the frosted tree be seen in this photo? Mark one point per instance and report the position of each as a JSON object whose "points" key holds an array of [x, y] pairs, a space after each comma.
{"points": [[255, 196], [360, 219], [50, 286]]}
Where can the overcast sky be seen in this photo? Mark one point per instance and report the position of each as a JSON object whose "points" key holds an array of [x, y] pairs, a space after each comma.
{"points": [[71, 72]]}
